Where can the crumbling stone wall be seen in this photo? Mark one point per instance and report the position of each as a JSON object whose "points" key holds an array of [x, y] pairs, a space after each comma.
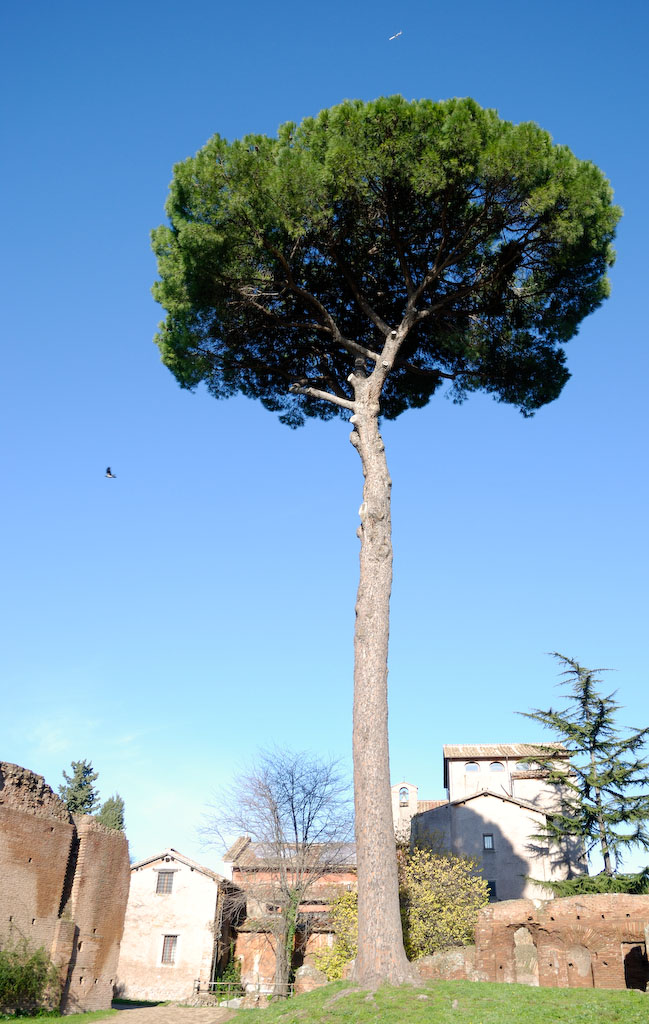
{"points": [[65, 886], [594, 941]]}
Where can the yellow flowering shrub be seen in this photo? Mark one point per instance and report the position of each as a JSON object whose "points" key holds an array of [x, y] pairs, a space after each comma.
{"points": [[441, 895], [344, 917]]}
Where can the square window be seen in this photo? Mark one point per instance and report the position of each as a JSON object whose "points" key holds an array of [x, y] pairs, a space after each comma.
{"points": [[169, 944], [165, 882], [487, 842]]}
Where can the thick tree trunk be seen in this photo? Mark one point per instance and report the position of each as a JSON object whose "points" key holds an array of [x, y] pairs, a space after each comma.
{"points": [[381, 955]]}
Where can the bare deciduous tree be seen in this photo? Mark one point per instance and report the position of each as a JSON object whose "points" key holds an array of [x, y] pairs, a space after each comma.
{"points": [[294, 811]]}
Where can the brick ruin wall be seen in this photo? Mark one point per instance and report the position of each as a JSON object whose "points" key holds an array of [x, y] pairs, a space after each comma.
{"points": [[593, 941], [65, 886]]}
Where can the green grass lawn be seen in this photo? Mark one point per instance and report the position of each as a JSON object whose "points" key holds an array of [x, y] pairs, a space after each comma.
{"points": [[456, 1002]]}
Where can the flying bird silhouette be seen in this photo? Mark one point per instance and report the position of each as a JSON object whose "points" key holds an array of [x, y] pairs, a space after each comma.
{"points": [[395, 36], [111, 476]]}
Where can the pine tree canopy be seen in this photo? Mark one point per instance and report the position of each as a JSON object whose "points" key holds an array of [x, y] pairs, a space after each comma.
{"points": [[286, 259], [606, 785], [112, 813], [79, 795]]}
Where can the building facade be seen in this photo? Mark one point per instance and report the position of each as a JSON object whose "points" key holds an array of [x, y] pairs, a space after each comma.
{"points": [[262, 873], [176, 932], [496, 802]]}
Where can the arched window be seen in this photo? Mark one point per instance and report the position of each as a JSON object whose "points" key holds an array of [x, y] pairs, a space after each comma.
{"points": [[496, 766], [523, 766], [404, 796], [472, 766]]}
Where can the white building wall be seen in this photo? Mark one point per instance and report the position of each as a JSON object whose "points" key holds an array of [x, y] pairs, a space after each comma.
{"points": [[404, 807], [496, 832], [515, 779], [188, 912]]}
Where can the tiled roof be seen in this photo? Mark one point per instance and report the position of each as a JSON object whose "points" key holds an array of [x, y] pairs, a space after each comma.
{"points": [[501, 749], [428, 805], [245, 854]]}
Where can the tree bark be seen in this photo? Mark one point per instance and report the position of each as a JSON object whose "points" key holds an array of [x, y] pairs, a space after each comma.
{"points": [[381, 955], [282, 964]]}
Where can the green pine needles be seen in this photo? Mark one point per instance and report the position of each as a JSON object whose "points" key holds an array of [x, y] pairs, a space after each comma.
{"points": [[605, 787], [112, 813], [79, 794], [287, 258], [636, 884]]}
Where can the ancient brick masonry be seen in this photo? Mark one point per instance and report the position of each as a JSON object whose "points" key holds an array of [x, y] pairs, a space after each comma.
{"points": [[596, 941], [65, 886]]}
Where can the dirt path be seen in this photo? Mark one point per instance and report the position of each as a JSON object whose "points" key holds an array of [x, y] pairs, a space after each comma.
{"points": [[170, 1015]]}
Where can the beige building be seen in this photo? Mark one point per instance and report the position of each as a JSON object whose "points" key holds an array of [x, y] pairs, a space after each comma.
{"points": [[176, 935], [496, 802]]}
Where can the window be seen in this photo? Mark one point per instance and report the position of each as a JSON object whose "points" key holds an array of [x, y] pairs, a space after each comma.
{"points": [[165, 882], [472, 766], [524, 766], [487, 842], [492, 891], [403, 795], [496, 766], [169, 944]]}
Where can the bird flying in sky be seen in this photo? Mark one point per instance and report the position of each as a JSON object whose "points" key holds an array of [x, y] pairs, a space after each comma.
{"points": [[395, 36], [111, 476]]}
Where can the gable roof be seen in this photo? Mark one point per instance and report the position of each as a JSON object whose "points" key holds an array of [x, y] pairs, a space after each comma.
{"points": [[245, 854], [173, 855], [501, 749], [490, 792]]}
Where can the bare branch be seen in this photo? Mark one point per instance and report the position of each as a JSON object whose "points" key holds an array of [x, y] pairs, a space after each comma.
{"points": [[362, 302], [305, 389], [295, 812], [350, 346]]}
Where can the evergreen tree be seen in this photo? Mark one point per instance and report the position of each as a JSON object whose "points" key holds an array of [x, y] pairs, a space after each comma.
{"points": [[636, 884], [79, 795], [605, 787], [112, 813], [355, 266]]}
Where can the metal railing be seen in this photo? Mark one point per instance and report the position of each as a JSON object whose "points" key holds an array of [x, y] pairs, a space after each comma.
{"points": [[225, 990]]}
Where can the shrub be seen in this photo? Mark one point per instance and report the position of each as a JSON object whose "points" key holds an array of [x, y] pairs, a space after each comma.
{"points": [[28, 980], [441, 895], [636, 885], [344, 918], [231, 974]]}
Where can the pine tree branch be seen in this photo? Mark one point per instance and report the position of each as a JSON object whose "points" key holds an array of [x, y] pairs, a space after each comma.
{"points": [[326, 396]]}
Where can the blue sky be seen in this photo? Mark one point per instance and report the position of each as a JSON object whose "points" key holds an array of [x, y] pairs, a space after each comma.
{"points": [[168, 623]]}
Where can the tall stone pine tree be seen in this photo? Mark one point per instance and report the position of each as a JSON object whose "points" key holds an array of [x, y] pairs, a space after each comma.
{"points": [[354, 266], [79, 794], [112, 813], [604, 802]]}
